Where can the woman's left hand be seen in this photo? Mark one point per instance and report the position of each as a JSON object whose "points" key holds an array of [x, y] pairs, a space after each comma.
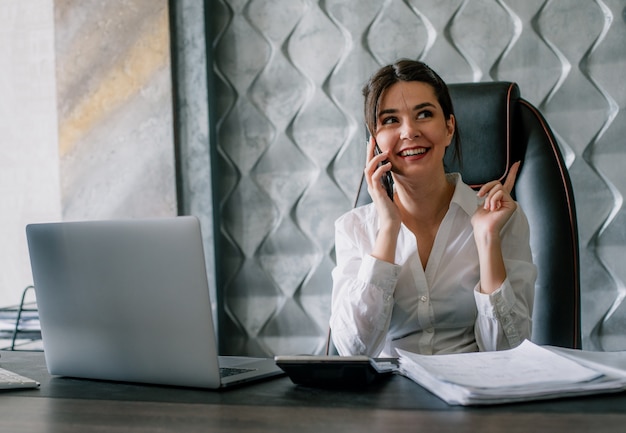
{"points": [[498, 206]]}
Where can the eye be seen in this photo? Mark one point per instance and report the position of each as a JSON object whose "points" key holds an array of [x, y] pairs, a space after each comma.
{"points": [[389, 120], [424, 114]]}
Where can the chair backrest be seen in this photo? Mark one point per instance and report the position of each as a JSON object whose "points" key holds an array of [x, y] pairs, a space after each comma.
{"points": [[497, 128]]}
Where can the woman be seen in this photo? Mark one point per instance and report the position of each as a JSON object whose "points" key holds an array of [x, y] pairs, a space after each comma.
{"points": [[440, 268]]}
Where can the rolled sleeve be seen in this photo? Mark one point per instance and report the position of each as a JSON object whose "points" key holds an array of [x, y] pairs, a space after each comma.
{"points": [[500, 324], [362, 307], [378, 273]]}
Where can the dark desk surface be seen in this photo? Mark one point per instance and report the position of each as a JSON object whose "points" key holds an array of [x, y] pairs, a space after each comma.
{"points": [[74, 405]]}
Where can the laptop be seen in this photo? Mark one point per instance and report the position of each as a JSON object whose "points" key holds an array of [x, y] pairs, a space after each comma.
{"points": [[128, 300]]}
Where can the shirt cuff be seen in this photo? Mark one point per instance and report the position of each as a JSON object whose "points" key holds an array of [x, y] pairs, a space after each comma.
{"points": [[379, 273], [497, 304]]}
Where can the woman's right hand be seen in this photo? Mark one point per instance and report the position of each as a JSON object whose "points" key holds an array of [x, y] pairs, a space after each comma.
{"points": [[388, 213]]}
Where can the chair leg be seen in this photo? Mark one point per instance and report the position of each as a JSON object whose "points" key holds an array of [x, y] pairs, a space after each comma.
{"points": [[19, 316]]}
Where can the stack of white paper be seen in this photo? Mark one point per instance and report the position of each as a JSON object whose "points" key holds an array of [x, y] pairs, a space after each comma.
{"points": [[524, 373]]}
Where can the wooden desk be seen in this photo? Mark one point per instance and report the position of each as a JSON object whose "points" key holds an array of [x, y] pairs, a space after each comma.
{"points": [[397, 404]]}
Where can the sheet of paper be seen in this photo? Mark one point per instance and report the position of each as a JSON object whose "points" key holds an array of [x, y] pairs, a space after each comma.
{"points": [[525, 365]]}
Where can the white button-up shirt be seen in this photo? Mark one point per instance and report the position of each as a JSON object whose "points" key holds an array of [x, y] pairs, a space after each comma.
{"points": [[379, 306]]}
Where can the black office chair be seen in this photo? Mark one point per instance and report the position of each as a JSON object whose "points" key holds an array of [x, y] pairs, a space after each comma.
{"points": [[497, 128]]}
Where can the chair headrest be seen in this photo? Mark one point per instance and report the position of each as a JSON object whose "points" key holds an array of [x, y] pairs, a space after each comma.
{"points": [[484, 115]]}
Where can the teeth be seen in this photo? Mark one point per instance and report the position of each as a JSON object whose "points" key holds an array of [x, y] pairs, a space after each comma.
{"points": [[412, 152]]}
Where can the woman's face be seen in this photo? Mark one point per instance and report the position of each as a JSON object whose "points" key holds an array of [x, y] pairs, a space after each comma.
{"points": [[412, 127]]}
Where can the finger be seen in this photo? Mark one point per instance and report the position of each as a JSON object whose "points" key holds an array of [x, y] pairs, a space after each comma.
{"points": [[374, 184], [494, 200], [370, 164], [486, 188], [509, 183], [374, 170], [369, 174], [376, 161]]}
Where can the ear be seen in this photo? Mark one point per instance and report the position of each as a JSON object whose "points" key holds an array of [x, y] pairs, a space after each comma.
{"points": [[450, 126]]}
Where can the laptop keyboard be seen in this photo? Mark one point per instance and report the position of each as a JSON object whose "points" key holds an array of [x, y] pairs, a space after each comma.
{"points": [[231, 371], [9, 380]]}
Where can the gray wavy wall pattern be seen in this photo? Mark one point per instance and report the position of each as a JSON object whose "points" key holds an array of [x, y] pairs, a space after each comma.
{"points": [[290, 139]]}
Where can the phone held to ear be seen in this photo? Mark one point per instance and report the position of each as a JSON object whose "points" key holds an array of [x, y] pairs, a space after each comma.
{"points": [[387, 179]]}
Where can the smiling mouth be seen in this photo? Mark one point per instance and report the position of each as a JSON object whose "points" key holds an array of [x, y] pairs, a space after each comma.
{"points": [[413, 152]]}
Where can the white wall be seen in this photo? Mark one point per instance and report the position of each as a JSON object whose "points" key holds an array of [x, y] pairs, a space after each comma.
{"points": [[85, 119], [29, 162]]}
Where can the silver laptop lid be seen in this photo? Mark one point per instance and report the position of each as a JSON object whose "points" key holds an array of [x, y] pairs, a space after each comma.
{"points": [[125, 300]]}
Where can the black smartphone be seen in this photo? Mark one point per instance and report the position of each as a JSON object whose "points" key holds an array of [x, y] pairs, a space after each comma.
{"points": [[387, 179]]}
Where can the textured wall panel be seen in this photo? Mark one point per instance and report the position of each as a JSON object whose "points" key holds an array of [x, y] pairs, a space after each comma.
{"points": [[578, 110], [290, 137], [604, 66]]}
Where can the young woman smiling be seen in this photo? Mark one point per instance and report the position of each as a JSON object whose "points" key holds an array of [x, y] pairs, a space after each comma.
{"points": [[439, 268]]}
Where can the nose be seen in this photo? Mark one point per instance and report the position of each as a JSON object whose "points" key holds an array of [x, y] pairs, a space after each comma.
{"points": [[410, 130]]}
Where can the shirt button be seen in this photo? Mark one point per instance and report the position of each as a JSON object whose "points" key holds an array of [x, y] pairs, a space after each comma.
{"points": [[423, 298]]}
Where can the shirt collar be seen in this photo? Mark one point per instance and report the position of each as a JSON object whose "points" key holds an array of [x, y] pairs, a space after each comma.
{"points": [[464, 196]]}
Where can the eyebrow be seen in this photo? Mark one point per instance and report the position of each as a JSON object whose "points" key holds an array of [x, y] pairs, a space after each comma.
{"points": [[416, 108]]}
